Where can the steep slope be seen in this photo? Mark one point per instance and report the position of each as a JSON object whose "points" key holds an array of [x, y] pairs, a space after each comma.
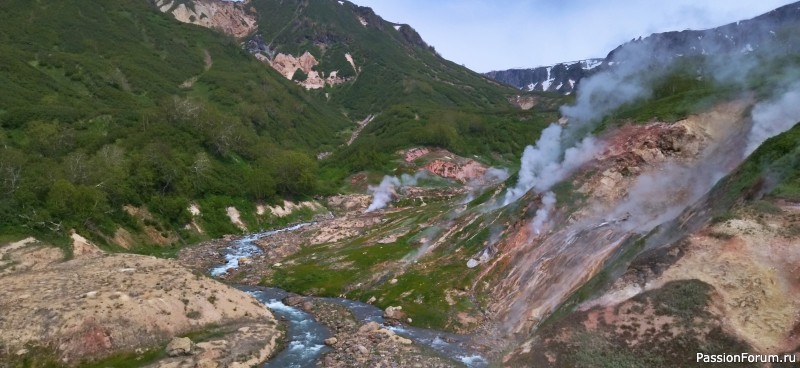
{"points": [[725, 285], [386, 63], [118, 105]]}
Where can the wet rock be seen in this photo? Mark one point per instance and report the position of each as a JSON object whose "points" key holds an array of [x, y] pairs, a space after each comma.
{"points": [[180, 346], [294, 300], [395, 313]]}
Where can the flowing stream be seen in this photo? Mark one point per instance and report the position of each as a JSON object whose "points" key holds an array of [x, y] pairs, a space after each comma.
{"points": [[305, 336]]}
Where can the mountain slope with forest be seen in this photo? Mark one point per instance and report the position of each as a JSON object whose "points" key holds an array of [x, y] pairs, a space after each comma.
{"points": [[120, 106]]}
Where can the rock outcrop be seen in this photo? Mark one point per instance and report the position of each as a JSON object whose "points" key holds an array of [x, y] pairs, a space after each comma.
{"points": [[459, 171], [230, 17], [92, 307]]}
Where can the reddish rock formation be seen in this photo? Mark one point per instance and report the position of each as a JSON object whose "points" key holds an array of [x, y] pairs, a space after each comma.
{"points": [[462, 172]]}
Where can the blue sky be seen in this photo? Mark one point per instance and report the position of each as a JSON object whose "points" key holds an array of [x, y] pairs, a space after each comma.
{"points": [[489, 35]]}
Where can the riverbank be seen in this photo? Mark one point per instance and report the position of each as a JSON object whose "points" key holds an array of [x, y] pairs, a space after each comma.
{"points": [[327, 331], [357, 343]]}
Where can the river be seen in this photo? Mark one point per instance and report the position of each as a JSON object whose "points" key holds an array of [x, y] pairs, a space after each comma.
{"points": [[305, 336]]}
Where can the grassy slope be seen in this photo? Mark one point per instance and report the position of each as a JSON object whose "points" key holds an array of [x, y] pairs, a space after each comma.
{"points": [[420, 98], [93, 118]]}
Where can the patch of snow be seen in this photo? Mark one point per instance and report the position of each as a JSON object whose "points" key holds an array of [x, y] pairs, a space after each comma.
{"points": [[341, 2], [559, 86], [546, 84], [572, 84], [532, 86], [362, 21], [747, 49], [591, 64], [397, 27]]}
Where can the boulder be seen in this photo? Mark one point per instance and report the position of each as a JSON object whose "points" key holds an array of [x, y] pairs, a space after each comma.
{"points": [[395, 313], [369, 327], [401, 340], [180, 346], [294, 300], [331, 341]]}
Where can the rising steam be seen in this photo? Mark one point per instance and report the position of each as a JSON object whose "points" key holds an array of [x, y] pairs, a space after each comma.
{"points": [[771, 118], [561, 150], [542, 214], [384, 192], [545, 164]]}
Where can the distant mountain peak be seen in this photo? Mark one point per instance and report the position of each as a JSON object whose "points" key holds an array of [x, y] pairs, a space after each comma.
{"points": [[560, 78]]}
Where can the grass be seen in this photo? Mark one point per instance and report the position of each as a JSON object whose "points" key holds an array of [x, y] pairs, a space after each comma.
{"points": [[129, 360], [684, 299], [93, 115], [350, 269]]}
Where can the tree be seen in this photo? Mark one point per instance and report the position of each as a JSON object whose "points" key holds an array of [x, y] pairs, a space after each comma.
{"points": [[299, 76], [80, 205], [294, 172], [11, 163], [260, 183]]}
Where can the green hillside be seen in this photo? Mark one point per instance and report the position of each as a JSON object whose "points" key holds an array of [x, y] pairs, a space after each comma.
{"points": [[117, 104], [94, 117], [418, 97]]}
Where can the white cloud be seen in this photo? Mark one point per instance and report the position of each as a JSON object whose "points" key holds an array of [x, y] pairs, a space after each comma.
{"points": [[490, 35]]}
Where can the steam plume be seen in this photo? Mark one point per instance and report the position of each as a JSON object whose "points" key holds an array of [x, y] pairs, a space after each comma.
{"points": [[543, 165], [774, 117], [383, 193], [543, 213]]}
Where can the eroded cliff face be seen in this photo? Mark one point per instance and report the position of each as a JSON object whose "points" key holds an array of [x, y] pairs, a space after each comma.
{"points": [[288, 65], [234, 18], [726, 286]]}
